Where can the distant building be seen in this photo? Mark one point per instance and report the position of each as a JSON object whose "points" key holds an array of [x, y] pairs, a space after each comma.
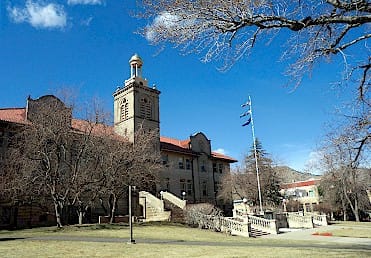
{"points": [[305, 192]]}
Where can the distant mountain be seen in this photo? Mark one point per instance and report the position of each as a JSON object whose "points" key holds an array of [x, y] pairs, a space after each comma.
{"points": [[289, 175]]}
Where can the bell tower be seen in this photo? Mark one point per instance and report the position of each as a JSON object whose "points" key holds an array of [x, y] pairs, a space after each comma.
{"points": [[135, 104]]}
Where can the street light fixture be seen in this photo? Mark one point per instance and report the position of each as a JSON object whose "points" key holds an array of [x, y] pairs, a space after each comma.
{"points": [[183, 194]]}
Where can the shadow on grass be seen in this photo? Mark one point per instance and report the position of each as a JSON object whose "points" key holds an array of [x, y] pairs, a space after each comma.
{"points": [[10, 238]]}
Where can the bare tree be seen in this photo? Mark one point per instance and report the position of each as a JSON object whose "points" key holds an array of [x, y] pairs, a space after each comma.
{"points": [[56, 156], [228, 30], [345, 158], [125, 163]]}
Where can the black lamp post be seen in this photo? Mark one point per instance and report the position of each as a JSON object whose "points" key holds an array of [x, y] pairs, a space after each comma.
{"points": [[131, 241]]}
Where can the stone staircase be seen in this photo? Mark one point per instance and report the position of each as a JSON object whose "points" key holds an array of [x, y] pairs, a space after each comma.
{"points": [[257, 233], [175, 205], [153, 208], [169, 207]]}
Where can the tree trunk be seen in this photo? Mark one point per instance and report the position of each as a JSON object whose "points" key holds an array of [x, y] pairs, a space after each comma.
{"points": [[344, 208], [81, 216], [113, 208], [356, 213], [58, 210]]}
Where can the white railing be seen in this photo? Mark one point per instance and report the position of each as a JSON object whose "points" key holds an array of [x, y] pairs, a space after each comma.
{"points": [[299, 221], [153, 208], [174, 200], [265, 225], [319, 220], [234, 227], [223, 224], [151, 200]]}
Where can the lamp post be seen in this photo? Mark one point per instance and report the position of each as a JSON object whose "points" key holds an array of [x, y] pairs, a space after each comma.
{"points": [[161, 193], [131, 240], [244, 200], [183, 194]]}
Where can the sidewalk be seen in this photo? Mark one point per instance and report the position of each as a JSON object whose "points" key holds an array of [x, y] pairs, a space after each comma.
{"points": [[307, 234]]}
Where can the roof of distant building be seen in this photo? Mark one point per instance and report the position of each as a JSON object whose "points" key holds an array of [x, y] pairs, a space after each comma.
{"points": [[183, 146], [14, 115], [18, 115], [308, 182]]}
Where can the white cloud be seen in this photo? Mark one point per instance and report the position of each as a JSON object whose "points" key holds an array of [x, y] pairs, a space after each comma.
{"points": [[166, 22], [87, 2], [313, 162], [221, 151], [39, 14]]}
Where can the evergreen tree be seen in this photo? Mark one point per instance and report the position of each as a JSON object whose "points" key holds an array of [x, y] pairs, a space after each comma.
{"points": [[269, 183]]}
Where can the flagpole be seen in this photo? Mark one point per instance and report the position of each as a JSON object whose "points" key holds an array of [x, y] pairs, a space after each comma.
{"points": [[256, 157]]}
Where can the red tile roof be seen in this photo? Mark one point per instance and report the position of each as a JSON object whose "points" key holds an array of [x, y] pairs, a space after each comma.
{"points": [[179, 143], [18, 115], [301, 183], [218, 155], [182, 146], [14, 115], [84, 126]]}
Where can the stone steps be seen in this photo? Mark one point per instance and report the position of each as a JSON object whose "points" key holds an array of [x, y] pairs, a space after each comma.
{"points": [[257, 233]]}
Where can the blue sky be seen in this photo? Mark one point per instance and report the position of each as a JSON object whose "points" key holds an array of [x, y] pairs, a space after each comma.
{"points": [[86, 45]]}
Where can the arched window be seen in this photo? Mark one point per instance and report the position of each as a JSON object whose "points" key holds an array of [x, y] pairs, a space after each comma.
{"points": [[124, 109], [145, 108]]}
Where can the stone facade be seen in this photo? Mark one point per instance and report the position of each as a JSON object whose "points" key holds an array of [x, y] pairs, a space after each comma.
{"points": [[192, 171]]}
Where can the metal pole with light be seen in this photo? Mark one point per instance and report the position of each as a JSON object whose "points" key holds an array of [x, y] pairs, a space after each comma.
{"points": [[251, 120], [131, 241]]}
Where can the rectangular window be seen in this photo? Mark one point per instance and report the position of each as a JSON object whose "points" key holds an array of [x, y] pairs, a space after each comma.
{"points": [[204, 188], [217, 186], [188, 164], [165, 159], [214, 168], [220, 168], [182, 186], [181, 163], [311, 193], [167, 184], [203, 167], [189, 187]]}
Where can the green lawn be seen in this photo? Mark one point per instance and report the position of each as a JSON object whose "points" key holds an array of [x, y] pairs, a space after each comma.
{"points": [[352, 229], [160, 240]]}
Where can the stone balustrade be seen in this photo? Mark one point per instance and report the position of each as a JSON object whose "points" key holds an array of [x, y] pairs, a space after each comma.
{"points": [[174, 200], [153, 208], [235, 227], [224, 224], [299, 221], [265, 225], [318, 219]]}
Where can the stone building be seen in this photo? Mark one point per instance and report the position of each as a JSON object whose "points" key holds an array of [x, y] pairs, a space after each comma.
{"points": [[192, 170], [305, 192]]}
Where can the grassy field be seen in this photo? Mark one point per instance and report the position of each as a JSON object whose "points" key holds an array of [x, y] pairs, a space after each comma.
{"points": [[352, 229], [157, 240]]}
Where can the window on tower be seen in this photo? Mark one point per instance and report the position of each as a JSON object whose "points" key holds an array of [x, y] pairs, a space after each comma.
{"points": [[124, 109], [145, 108]]}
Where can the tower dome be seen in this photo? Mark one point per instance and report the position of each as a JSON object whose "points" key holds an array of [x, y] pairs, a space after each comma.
{"points": [[135, 66], [135, 59]]}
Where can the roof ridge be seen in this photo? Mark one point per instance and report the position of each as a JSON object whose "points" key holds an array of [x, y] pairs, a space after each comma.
{"points": [[12, 108]]}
